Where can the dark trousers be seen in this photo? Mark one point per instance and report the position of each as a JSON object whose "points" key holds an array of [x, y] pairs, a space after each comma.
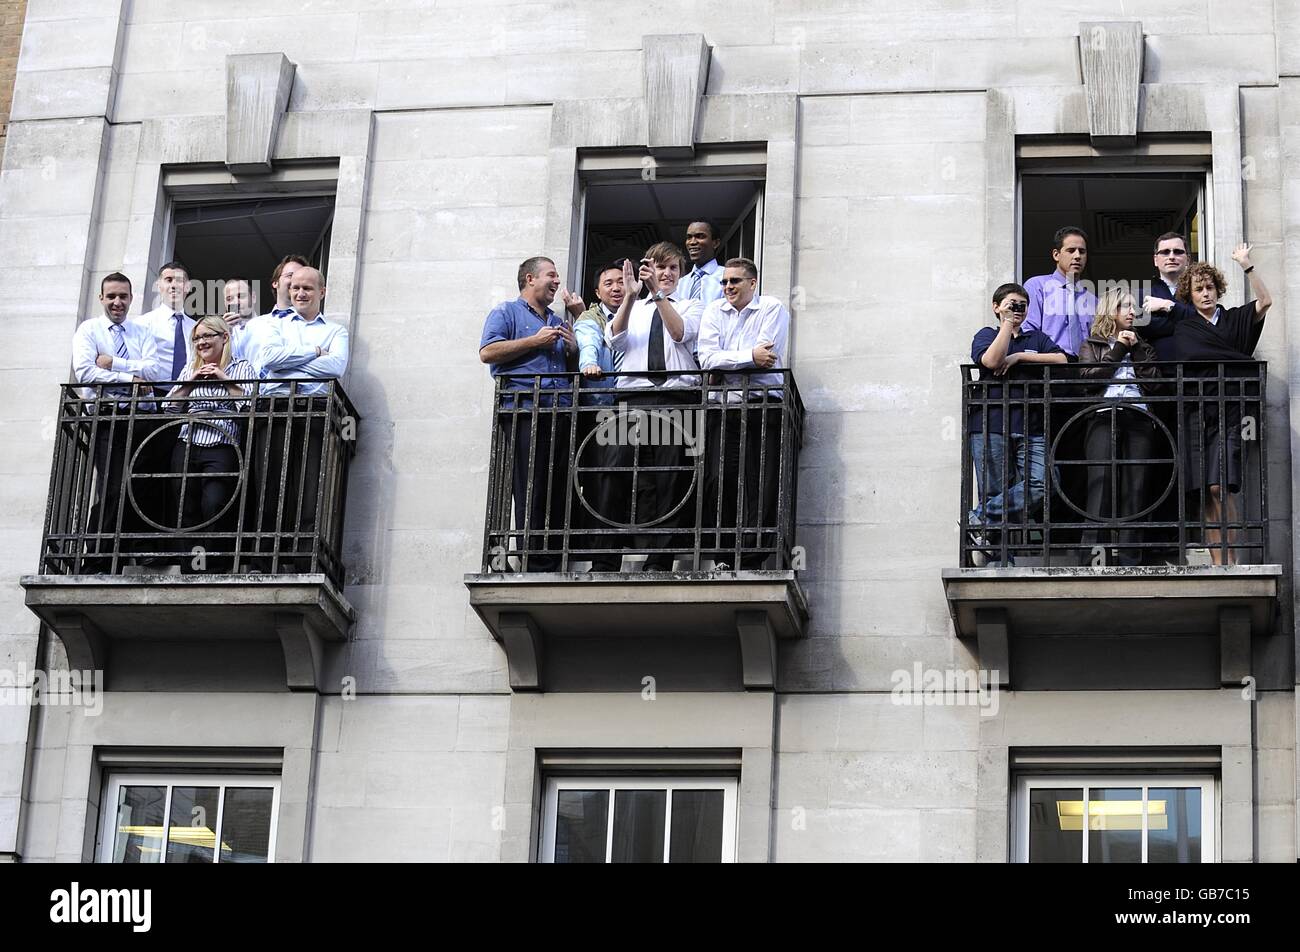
{"points": [[657, 492], [602, 497], [288, 445], [540, 483], [110, 453], [197, 496], [151, 455], [741, 480], [1132, 440]]}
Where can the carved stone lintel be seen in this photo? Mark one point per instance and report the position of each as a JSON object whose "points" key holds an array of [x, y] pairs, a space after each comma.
{"points": [[757, 650], [1111, 55], [994, 645], [523, 644], [257, 94], [676, 69]]}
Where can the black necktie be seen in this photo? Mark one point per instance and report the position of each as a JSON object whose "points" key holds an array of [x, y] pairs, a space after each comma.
{"points": [[655, 352], [178, 346]]}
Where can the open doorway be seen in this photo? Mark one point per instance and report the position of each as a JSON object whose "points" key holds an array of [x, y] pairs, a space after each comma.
{"points": [[623, 219], [1122, 212], [246, 238]]}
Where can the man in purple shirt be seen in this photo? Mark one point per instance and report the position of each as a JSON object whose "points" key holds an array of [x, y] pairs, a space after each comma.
{"points": [[523, 336], [1058, 305]]}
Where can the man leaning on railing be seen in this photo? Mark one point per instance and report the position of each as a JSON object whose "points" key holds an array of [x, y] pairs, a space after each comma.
{"points": [[738, 332], [1009, 455], [523, 336], [112, 350]]}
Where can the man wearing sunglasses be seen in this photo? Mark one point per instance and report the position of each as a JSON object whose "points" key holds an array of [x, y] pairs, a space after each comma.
{"points": [[1009, 451], [1171, 260]]}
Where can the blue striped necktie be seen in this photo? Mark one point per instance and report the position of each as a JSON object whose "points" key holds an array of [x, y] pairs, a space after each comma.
{"points": [[119, 337], [697, 281]]}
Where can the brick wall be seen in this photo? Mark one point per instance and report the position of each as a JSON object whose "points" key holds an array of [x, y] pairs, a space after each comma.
{"points": [[12, 13]]}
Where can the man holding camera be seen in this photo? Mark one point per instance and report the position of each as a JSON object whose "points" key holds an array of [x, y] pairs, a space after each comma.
{"points": [[1009, 454]]}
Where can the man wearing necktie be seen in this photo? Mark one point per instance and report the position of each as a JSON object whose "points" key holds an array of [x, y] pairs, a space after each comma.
{"points": [[111, 350], [704, 281], [170, 327], [657, 334]]}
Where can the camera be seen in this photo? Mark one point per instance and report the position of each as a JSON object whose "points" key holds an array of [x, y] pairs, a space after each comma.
{"points": [[1018, 306]]}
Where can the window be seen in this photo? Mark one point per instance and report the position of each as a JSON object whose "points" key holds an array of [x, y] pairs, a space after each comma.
{"points": [[182, 819], [221, 227], [630, 202], [639, 820], [1115, 819]]}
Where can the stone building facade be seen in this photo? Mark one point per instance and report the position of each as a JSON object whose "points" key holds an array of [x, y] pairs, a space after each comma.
{"points": [[891, 145]]}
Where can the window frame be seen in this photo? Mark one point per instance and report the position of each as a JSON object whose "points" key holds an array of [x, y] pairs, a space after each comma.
{"points": [[115, 780], [1207, 784], [1084, 166], [668, 783]]}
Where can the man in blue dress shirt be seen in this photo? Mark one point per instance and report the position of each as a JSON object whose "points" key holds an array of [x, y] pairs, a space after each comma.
{"points": [[523, 337], [1059, 305], [703, 282]]}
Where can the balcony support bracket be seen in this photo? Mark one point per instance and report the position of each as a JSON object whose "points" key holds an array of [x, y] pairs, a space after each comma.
{"points": [[757, 650], [304, 651], [85, 644], [522, 640], [991, 635]]}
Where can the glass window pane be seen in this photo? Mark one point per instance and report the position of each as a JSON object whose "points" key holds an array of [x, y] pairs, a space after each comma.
{"points": [[696, 836], [246, 825], [581, 825], [138, 836], [1115, 825], [639, 825], [1056, 825], [190, 836], [1174, 825]]}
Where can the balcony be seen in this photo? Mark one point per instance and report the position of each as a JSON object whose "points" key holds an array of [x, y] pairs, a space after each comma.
{"points": [[158, 547], [1112, 525], [588, 483]]}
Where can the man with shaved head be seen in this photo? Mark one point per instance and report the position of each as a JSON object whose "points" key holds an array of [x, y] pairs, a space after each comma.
{"points": [[301, 346]]}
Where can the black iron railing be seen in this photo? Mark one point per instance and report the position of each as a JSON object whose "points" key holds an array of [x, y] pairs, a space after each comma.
{"points": [[583, 474], [1067, 475], [143, 482]]}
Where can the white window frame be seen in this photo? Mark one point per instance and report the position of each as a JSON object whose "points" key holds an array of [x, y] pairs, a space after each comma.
{"points": [[115, 781], [1204, 207], [721, 167], [1208, 786], [554, 785]]}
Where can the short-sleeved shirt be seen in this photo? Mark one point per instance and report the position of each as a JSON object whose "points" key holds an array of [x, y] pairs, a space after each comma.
{"points": [[515, 320], [1026, 342]]}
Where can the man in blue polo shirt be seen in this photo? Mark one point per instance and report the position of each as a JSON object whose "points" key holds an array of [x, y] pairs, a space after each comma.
{"points": [[1009, 454], [524, 337]]}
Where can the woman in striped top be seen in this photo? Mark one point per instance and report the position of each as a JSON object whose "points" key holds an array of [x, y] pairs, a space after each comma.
{"points": [[205, 453]]}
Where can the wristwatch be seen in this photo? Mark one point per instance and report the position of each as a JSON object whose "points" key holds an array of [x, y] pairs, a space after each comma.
{"points": [[1248, 270], [658, 296]]}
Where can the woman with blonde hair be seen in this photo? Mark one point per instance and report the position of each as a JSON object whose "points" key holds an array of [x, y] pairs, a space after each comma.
{"points": [[205, 460], [1121, 430]]}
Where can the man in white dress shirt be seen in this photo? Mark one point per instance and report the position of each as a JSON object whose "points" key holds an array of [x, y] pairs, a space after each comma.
{"points": [[238, 294], [744, 331], [112, 350], [658, 334], [703, 282], [300, 345]]}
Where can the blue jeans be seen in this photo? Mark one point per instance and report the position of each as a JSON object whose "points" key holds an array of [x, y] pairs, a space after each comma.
{"points": [[1009, 474]]}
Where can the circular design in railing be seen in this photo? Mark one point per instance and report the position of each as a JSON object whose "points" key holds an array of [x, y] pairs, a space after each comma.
{"points": [[1112, 409], [610, 423], [169, 477]]}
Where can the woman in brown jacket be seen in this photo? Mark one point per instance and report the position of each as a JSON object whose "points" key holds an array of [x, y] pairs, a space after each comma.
{"points": [[1121, 364]]}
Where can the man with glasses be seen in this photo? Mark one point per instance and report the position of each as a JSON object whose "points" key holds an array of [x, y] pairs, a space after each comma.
{"points": [[1171, 260]]}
